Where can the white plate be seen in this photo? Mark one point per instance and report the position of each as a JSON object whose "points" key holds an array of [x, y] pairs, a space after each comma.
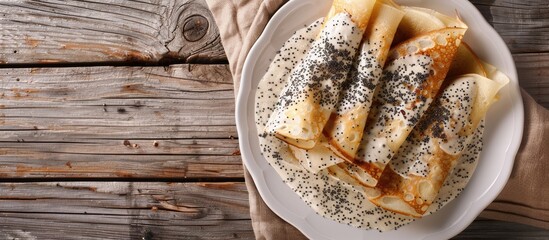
{"points": [[503, 133]]}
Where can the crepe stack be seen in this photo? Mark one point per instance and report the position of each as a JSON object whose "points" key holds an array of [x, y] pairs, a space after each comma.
{"points": [[391, 121], [345, 127], [416, 70], [385, 98], [343, 131], [433, 148], [430, 152]]}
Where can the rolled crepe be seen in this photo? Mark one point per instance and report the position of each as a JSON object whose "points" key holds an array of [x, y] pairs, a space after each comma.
{"points": [[318, 158], [280, 68], [343, 130], [410, 82], [311, 96], [431, 151], [417, 21], [345, 127]]}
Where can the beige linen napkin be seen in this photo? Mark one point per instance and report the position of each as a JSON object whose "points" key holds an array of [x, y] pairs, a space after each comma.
{"points": [[525, 198]]}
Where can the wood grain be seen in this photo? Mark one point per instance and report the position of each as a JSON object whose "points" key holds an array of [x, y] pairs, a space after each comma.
{"points": [[105, 122], [171, 123], [155, 210], [51, 31], [124, 210], [490, 229], [533, 72], [523, 25]]}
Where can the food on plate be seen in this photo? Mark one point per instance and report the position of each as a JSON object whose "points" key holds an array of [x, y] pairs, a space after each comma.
{"points": [[317, 158], [418, 20], [346, 125], [415, 71], [343, 131], [312, 92], [370, 130], [412, 182]]}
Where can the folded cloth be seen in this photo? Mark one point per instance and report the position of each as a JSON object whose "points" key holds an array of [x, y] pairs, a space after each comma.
{"points": [[525, 198], [240, 23]]}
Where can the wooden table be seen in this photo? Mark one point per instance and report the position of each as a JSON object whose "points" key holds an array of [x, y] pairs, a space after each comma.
{"points": [[117, 119]]}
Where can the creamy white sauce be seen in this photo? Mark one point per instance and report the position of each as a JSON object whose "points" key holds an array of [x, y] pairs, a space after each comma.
{"points": [[330, 198]]}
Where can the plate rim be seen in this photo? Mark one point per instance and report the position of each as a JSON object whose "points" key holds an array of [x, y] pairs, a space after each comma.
{"points": [[303, 226]]}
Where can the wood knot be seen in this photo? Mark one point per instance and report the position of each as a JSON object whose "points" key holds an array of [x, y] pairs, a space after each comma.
{"points": [[195, 27], [147, 235]]}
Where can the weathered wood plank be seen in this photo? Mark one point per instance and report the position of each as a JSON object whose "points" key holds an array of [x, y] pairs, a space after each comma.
{"points": [[52, 31], [141, 210], [120, 31], [105, 122], [533, 71], [490, 229], [523, 25], [124, 210]]}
